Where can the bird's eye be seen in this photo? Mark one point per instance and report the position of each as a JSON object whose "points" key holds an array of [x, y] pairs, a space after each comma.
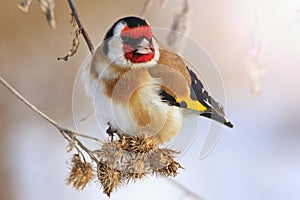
{"points": [[125, 38], [130, 41]]}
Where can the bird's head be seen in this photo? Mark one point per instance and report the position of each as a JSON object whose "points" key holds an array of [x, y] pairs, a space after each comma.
{"points": [[129, 43]]}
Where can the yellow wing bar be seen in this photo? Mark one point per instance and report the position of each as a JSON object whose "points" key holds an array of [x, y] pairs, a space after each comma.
{"points": [[191, 104]]}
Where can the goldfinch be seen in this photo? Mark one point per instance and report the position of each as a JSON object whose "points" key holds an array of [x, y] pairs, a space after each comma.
{"points": [[140, 87]]}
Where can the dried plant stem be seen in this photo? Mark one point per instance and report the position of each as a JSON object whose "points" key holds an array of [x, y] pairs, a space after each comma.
{"points": [[67, 134], [80, 26], [32, 107], [71, 136], [187, 191], [146, 7]]}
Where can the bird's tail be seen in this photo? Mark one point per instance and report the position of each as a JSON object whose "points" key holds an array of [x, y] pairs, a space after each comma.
{"points": [[217, 117]]}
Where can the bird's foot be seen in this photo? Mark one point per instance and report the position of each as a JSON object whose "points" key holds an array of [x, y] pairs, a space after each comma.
{"points": [[111, 131]]}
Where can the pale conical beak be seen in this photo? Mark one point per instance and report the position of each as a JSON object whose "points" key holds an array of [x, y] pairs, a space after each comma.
{"points": [[144, 47]]}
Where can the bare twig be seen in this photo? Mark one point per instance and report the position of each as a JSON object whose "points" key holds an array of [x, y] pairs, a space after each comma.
{"points": [[187, 191], [67, 134], [86, 117], [146, 7], [75, 42], [80, 26], [32, 107], [180, 24]]}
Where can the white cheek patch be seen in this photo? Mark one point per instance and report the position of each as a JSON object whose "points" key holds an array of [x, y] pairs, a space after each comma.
{"points": [[118, 29], [115, 53]]}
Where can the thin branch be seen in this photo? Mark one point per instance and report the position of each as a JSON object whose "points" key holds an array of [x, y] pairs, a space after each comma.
{"points": [[187, 191], [80, 26], [67, 134], [27, 103], [87, 137], [70, 136], [146, 7]]}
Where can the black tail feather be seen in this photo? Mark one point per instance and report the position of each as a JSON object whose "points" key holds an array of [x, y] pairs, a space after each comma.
{"points": [[218, 118]]}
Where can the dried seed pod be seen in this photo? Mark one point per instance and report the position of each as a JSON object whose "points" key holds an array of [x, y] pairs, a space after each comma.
{"points": [[138, 144], [110, 153], [134, 166], [161, 158], [169, 170], [162, 162], [81, 173], [109, 178], [122, 160]]}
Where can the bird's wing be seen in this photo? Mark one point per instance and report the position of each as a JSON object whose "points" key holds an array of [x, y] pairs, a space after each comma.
{"points": [[181, 87]]}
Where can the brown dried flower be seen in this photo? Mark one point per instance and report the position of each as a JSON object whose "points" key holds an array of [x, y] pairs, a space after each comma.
{"points": [[109, 178], [169, 170], [130, 158], [162, 162], [134, 167], [81, 173], [122, 160], [110, 153], [138, 144]]}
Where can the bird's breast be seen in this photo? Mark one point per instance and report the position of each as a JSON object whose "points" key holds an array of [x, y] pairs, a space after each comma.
{"points": [[135, 102]]}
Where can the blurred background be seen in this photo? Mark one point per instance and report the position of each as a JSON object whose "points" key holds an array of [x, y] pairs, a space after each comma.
{"points": [[255, 45]]}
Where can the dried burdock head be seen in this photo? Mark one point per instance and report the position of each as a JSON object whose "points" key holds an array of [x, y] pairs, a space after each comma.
{"points": [[137, 144], [109, 178], [81, 173], [110, 153], [169, 170], [123, 159], [162, 162], [134, 166]]}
